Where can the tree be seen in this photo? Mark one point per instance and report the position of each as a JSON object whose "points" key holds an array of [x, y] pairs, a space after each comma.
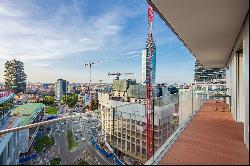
{"points": [[4, 108], [15, 78], [70, 100], [87, 107], [48, 100], [94, 104]]}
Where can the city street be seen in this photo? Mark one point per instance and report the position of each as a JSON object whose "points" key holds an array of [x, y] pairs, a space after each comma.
{"points": [[82, 132]]}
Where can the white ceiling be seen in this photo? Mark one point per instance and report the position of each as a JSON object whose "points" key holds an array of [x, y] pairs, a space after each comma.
{"points": [[209, 28]]}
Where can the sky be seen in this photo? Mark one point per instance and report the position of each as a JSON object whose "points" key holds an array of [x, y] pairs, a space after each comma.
{"points": [[54, 38]]}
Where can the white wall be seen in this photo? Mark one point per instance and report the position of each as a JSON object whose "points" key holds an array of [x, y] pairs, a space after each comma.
{"points": [[242, 114], [246, 79], [241, 106]]}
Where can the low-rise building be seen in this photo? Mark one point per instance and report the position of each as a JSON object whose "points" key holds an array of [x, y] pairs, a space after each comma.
{"points": [[9, 143], [35, 100], [9, 147], [29, 113]]}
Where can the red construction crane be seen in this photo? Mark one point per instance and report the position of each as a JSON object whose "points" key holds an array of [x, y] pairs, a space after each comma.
{"points": [[118, 74], [149, 85]]}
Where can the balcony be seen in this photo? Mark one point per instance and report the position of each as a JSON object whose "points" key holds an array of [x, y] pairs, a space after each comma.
{"points": [[212, 137]]}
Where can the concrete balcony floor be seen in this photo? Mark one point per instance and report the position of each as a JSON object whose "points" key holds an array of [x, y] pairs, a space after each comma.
{"points": [[212, 137]]}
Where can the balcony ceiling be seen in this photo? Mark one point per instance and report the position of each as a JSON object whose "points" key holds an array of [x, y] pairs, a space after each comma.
{"points": [[208, 28]]}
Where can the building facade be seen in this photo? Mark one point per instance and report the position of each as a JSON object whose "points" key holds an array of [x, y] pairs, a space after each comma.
{"points": [[28, 113], [129, 125], [61, 87], [211, 75], [9, 143]]}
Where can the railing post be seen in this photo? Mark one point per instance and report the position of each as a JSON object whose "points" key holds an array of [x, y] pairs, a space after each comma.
{"points": [[113, 133], [153, 127], [192, 99]]}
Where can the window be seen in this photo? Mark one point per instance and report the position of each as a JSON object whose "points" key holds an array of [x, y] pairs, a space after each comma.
{"points": [[1, 159], [9, 148]]}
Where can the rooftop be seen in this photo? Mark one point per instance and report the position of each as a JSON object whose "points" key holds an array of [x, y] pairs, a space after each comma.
{"points": [[35, 98], [6, 95], [27, 112], [212, 137]]}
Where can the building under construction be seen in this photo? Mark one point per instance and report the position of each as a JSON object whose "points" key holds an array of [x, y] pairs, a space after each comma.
{"points": [[129, 90], [123, 124], [126, 121], [128, 126]]}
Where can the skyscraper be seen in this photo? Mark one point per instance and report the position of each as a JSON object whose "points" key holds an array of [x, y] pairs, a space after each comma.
{"points": [[60, 88], [15, 78], [144, 64]]}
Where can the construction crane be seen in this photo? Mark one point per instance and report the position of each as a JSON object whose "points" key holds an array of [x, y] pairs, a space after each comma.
{"points": [[89, 64], [119, 74], [149, 86]]}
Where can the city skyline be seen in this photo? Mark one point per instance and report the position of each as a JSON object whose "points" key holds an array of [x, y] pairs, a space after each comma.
{"points": [[55, 38]]}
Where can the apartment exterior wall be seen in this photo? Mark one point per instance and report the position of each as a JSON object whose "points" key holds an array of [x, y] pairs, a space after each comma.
{"points": [[105, 102], [9, 147], [5, 96], [246, 79], [238, 80]]}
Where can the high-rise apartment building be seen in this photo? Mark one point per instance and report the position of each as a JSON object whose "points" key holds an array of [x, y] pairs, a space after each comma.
{"points": [[144, 64], [15, 77], [211, 75], [60, 88]]}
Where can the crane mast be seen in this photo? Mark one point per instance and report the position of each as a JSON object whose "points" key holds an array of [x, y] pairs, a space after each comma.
{"points": [[149, 85], [89, 87]]}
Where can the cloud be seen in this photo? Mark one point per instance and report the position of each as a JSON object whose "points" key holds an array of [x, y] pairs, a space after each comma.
{"points": [[133, 56], [26, 37], [41, 65], [6, 11], [49, 35], [133, 52]]}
